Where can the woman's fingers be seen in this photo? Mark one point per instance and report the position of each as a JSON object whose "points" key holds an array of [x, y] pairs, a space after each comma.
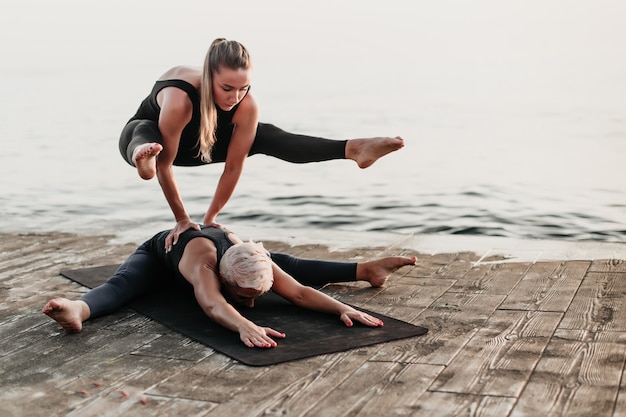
{"points": [[263, 340], [274, 333], [361, 317]]}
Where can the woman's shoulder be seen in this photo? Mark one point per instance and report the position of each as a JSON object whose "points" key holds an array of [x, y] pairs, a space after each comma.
{"points": [[192, 75], [247, 109]]}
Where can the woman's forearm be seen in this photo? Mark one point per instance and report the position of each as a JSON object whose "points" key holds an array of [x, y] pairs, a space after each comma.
{"points": [[313, 299], [223, 192], [170, 190], [226, 316]]}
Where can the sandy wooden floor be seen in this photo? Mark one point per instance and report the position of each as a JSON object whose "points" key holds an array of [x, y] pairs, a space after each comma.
{"points": [[539, 338]]}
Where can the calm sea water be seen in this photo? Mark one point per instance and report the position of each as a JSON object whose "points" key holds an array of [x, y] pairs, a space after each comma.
{"points": [[514, 115]]}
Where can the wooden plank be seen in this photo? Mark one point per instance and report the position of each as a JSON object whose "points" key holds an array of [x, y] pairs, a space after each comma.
{"points": [[355, 293], [317, 379], [57, 250], [106, 385], [60, 372], [609, 265], [129, 372], [354, 394], [588, 336], [598, 304], [402, 392], [443, 265], [451, 321], [491, 278], [174, 346], [620, 404], [444, 404], [69, 354], [406, 298], [414, 292], [547, 286], [501, 356], [131, 405], [195, 383], [574, 379], [291, 388], [40, 399], [21, 331]]}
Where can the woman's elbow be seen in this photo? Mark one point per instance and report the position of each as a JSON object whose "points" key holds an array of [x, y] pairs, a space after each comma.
{"points": [[211, 310], [300, 298]]}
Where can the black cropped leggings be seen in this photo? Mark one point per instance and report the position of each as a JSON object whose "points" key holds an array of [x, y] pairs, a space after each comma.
{"points": [[269, 140], [143, 272]]}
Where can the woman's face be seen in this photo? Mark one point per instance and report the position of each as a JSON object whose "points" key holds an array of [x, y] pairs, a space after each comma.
{"points": [[242, 296], [230, 87]]}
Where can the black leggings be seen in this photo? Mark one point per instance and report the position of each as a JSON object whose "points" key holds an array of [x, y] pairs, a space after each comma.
{"points": [[269, 140], [143, 272]]}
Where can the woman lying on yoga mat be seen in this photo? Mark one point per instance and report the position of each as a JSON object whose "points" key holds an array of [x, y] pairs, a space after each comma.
{"points": [[196, 116], [222, 269]]}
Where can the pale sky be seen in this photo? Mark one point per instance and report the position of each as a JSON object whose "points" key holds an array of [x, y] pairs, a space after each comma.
{"points": [[64, 30]]}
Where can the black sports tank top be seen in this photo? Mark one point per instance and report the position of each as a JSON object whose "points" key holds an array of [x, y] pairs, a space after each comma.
{"points": [[188, 147], [171, 259]]}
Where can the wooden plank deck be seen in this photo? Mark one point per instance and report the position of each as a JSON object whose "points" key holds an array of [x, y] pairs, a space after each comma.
{"points": [[515, 339]]}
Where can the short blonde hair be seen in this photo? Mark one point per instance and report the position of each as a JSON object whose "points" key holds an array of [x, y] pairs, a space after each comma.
{"points": [[247, 265]]}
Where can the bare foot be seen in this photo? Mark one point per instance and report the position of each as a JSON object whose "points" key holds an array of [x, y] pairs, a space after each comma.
{"points": [[376, 272], [144, 158], [367, 151], [69, 314]]}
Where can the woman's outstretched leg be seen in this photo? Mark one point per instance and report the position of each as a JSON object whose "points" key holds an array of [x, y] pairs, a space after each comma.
{"points": [[273, 141], [139, 274], [317, 273]]}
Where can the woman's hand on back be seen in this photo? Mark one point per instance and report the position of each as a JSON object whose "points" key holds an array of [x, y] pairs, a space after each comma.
{"points": [[181, 226]]}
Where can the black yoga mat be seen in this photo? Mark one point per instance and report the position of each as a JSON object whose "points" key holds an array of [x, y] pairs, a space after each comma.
{"points": [[308, 333]]}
